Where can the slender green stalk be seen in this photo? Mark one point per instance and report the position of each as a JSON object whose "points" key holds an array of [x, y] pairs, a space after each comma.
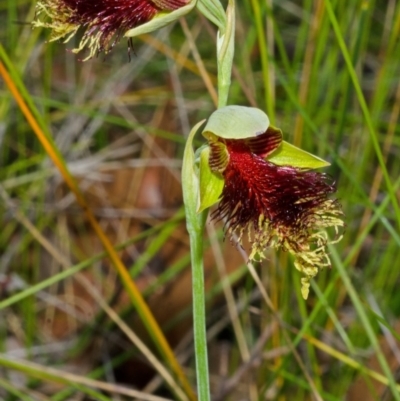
{"points": [[195, 226], [199, 310], [225, 53], [190, 183]]}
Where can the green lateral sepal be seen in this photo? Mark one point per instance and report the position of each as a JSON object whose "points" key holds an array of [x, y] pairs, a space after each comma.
{"points": [[290, 155], [160, 20]]}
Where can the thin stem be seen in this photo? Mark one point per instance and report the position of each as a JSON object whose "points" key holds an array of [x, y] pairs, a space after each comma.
{"points": [[195, 221], [199, 310], [225, 53], [195, 226]]}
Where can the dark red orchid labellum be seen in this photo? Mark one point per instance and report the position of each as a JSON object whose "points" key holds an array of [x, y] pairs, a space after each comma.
{"points": [[104, 21], [278, 206]]}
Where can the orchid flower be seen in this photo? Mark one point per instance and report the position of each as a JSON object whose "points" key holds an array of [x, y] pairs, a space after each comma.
{"points": [[265, 188], [105, 21]]}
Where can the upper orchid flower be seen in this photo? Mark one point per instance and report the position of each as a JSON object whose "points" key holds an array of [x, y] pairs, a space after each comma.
{"points": [[105, 21], [265, 188]]}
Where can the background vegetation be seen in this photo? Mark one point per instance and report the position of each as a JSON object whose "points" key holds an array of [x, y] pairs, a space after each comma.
{"points": [[327, 73]]}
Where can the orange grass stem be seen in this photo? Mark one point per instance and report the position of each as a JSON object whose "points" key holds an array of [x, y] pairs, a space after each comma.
{"points": [[130, 286]]}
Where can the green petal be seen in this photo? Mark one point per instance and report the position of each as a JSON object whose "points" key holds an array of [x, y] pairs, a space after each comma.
{"points": [[236, 122], [160, 20], [211, 184], [290, 155]]}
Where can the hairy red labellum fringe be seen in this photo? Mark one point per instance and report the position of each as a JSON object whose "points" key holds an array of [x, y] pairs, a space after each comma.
{"points": [[279, 206], [110, 19], [254, 187]]}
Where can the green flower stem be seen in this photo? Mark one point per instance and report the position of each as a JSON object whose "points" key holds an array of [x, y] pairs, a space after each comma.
{"points": [[195, 220], [195, 225], [225, 52], [213, 11], [199, 310]]}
